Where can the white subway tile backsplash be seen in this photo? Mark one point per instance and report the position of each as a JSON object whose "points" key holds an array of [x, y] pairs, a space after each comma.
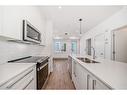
{"points": [[11, 50]]}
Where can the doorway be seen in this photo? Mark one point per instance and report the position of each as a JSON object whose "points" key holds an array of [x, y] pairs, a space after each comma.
{"points": [[119, 44]]}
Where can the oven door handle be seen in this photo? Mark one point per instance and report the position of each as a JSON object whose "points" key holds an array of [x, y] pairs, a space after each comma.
{"points": [[38, 69]]}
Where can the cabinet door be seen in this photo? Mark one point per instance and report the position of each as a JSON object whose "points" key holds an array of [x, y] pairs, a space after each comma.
{"points": [[26, 80], [12, 22], [81, 75], [74, 75], [90, 82], [94, 84], [30, 86], [1, 19], [99, 85]]}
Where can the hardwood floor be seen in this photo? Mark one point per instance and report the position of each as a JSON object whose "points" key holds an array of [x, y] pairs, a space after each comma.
{"points": [[60, 78]]}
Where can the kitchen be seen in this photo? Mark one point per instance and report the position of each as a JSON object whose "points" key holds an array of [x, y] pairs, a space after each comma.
{"points": [[63, 47]]}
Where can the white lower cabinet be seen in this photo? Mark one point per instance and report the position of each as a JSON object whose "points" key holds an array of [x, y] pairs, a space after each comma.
{"points": [[73, 73], [94, 84], [26, 80], [99, 85], [79, 76], [83, 79]]}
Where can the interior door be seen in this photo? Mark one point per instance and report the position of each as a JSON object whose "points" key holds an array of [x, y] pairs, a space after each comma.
{"points": [[100, 45], [120, 45]]}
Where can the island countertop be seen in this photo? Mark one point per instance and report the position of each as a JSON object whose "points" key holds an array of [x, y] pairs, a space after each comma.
{"points": [[110, 72], [9, 71]]}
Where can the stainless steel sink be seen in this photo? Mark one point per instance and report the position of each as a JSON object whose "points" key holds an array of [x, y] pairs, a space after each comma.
{"points": [[87, 60]]}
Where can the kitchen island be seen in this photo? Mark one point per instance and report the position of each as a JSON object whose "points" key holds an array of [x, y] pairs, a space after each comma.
{"points": [[106, 74]]}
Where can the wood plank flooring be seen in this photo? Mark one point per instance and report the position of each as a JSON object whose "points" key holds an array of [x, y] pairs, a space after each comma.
{"points": [[60, 78]]}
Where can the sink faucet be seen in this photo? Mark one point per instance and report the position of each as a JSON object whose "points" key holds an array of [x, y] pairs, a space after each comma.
{"points": [[93, 52]]}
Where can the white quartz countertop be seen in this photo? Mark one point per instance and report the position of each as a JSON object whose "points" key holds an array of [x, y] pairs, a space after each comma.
{"points": [[10, 70], [110, 72]]}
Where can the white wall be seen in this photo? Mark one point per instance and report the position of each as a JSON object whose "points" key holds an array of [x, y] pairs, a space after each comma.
{"points": [[117, 20], [11, 50], [47, 50]]}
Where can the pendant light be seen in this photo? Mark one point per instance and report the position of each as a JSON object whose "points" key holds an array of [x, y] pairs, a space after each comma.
{"points": [[80, 21]]}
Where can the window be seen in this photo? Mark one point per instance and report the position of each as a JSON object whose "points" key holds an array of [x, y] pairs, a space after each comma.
{"points": [[74, 47], [57, 47], [60, 46]]}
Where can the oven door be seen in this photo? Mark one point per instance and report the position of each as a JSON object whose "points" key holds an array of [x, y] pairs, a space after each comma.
{"points": [[42, 74], [30, 33]]}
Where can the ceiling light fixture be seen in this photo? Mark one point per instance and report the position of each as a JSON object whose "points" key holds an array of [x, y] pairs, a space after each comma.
{"points": [[80, 20]]}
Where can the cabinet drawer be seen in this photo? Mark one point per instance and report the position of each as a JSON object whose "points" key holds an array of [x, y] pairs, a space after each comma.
{"points": [[29, 85], [21, 81]]}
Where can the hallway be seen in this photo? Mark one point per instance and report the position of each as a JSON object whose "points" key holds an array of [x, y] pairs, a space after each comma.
{"points": [[60, 78]]}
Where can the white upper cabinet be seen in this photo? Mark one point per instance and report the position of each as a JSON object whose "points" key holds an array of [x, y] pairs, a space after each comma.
{"points": [[12, 21], [1, 15]]}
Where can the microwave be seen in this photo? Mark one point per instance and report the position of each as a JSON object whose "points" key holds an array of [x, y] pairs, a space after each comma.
{"points": [[31, 33]]}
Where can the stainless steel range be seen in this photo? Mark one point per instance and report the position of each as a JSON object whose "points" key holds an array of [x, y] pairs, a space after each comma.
{"points": [[42, 67]]}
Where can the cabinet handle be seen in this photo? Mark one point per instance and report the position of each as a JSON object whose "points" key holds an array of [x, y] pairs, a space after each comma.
{"points": [[28, 83], [42, 67], [87, 82], [94, 83], [10, 85]]}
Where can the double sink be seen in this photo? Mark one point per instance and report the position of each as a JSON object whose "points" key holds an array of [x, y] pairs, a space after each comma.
{"points": [[87, 60]]}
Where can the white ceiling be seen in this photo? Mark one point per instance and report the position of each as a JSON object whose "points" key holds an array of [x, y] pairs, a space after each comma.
{"points": [[65, 19]]}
